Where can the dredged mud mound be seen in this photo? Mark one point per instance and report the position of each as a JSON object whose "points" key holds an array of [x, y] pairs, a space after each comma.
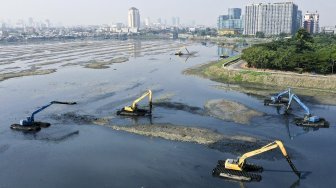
{"points": [[231, 111], [72, 117], [105, 64], [29, 72], [236, 144], [176, 133]]}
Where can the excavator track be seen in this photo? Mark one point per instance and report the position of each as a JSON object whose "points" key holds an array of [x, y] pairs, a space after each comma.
{"points": [[248, 167], [269, 102], [19, 127], [236, 175], [138, 112], [320, 124]]}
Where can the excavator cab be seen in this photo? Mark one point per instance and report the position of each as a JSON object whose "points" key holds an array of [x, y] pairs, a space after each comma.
{"points": [[133, 110], [239, 169]]}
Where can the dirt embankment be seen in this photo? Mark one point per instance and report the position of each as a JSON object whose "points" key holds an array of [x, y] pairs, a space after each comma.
{"points": [[218, 73]]}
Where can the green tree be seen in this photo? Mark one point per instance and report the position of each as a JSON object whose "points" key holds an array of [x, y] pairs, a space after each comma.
{"points": [[260, 34], [303, 40]]}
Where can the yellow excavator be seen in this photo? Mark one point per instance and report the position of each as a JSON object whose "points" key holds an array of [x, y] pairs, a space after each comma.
{"points": [[133, 110], [238, 169]]}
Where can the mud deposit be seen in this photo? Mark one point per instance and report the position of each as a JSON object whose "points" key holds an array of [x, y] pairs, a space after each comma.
{"points": [[30, 72], [235, 144], [104, 64], [81, 119], [231, 111]]}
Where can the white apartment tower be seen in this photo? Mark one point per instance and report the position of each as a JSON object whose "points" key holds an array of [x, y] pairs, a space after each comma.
{"points": [[133, 18], [312, 22], [271, 18]]}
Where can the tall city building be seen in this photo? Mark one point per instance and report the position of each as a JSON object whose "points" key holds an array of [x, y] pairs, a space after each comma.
{"points": [[231, 23], [312, 22], [299, 19], [133, 18], [147, 22], [234, 13], [173, 21], [177, 21], [271, 18], [159, 21]]}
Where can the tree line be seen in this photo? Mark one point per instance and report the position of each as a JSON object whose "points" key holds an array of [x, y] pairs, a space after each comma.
{"points": [[301, 53]]}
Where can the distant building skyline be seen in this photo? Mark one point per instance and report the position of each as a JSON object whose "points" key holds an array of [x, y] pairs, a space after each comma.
{"points": [[99, 12], [133, 18], [312, 22], [232, 23], [271, 18]]}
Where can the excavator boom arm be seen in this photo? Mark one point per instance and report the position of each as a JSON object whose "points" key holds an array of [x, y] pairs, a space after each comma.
{"points": [[31, 119], [296, 98], [148, 93], [266, 148], [283, 93]]}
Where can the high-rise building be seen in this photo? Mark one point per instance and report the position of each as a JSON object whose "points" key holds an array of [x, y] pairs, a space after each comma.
{"points": [[234, 13], [231, 23], [299, 19], [173, 21], [312, 22], [147, 22], [177, 21], [133, 18], [271, 18]]}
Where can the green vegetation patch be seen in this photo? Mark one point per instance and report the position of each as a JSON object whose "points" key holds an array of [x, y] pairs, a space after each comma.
{"points": [[302, 53], [255, 73]]}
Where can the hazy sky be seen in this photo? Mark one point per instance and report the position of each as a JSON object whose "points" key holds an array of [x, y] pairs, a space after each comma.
{"points": [[85, 12]]}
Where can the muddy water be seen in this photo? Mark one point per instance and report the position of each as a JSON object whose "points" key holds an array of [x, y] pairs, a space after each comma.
{"points": [[77, 153]]}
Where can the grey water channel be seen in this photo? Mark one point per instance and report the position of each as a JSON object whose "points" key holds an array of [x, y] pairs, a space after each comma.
{"points": [[77, 153]]}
